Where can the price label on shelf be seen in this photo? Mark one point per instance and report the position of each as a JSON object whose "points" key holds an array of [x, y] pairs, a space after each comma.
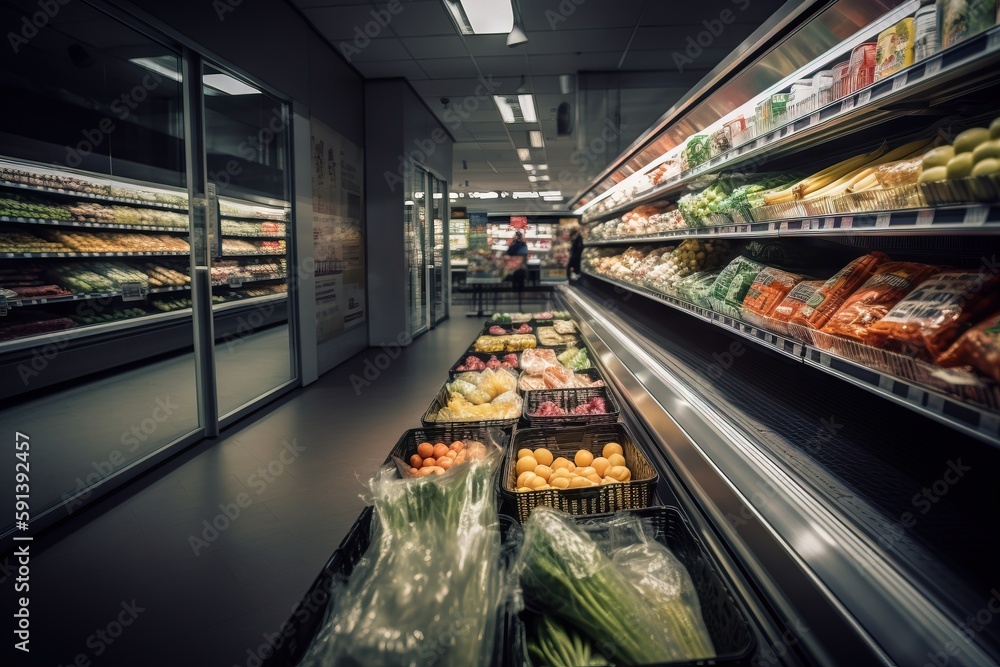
{"points": [[899, 82], [933, 67], [812, 223], [976, 215], [847, 104], [235, 281], [133, 291], [882, 220], [847, 222], [865, 97], [814, 119], [925, 218]]}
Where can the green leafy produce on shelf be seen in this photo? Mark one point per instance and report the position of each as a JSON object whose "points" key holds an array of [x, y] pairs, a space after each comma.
{"points": [[575, 359], [697, 287], [555, 645]]}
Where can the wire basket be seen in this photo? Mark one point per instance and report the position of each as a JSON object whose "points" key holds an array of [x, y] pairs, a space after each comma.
{"points": [[634, 494], [592, 374], [441, 400], [406, 446], [817, 207], [791, 209], [482, 356], [724, 617], [962, 190], [568, 400]]}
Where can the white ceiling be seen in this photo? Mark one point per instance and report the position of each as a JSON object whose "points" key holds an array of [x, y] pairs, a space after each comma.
{"points": [[422, 44]]}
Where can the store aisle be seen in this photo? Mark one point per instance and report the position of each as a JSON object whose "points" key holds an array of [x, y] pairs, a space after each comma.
{"points": [[197, 595]]}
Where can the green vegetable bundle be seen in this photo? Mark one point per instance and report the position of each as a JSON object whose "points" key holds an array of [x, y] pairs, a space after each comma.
{"points": [[428, 590], [575, 359], [563, 572]]}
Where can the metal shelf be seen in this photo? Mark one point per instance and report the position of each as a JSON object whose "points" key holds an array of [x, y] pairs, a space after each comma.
{"points": [[94, 225], [87, 255], [45, 300], [253, 254], [966, 219], [979, 422], [252, 218], [961, 61], [93, 197]]}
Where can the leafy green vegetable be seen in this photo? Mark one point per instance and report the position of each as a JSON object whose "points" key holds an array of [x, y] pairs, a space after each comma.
{"points": [[558, 646], [574, 359]]}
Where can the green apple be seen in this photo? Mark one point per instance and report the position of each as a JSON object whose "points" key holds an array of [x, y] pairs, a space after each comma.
{"points": [[990, 165], [986, 150], [995, 129], [938, 157], [933, 174], [960, 166], [967, 141]]}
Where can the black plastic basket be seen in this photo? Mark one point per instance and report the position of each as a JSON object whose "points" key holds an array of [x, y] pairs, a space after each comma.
{"points": [[568, 399], [724, 617], [566, 441], [592, 373], [442, 399], [447, 433], [484, 356]]}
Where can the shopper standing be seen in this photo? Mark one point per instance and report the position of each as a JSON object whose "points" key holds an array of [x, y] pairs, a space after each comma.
{"points": [[575, 254], [518, 248]]}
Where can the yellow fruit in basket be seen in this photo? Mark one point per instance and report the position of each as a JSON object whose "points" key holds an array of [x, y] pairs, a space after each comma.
{"points": [[621, 473], [960, 166], [986, 167], [543, 456], [562, 463], [616, 460], [593, 477], [525, 464], [521, 453], [933, 174], [579, 482], [601, 465], [543, 471], [612, 448], [995, 129], [586, 470], [559, 482], [583, 458], [986, 150], [937, 157], [536, 482], [967, 141], [525, 477]]}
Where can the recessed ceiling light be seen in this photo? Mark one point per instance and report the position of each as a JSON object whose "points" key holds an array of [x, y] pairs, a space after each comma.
{"points": [[505, 108], [481, 17], [525, 195], [551, 193], [532, 179], [535, 137], [528, 167], [542, 167], [552, 198], [527, 103], [523, 154], [229, 85]]}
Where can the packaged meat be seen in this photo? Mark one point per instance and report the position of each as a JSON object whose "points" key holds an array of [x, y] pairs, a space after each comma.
{"points": [[534, 361], [890, 283], [978, 347], [830, 297], [894, 48], [511, 343], [769, 289], [732, 285], [958, 20], [792, 304], [936, 313]]}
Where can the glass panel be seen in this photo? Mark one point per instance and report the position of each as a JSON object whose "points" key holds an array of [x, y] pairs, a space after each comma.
{"points": [[96, 353], [415, 232], [248, 159], [438, 206]]}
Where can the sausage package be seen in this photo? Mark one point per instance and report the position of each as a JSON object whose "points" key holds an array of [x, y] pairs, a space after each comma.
{"points": [[769, 289], [831, 296], [890, 283], [978, 347], [936, 313], [792, 304]]}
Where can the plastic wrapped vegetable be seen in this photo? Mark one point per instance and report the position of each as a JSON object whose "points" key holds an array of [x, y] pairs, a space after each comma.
{"points": [[732, 285], [689, 257], [563, 572], [469, 391], [430, 584], [575, 359], [697, 287], [768, 290]]}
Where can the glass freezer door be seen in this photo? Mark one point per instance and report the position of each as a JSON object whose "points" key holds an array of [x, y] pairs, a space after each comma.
{"points": [[440, 271], [415, 242]]}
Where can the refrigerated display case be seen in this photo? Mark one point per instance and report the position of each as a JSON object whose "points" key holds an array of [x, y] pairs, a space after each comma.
{"points": [[439, 244], [415, 233], [845, 475]]}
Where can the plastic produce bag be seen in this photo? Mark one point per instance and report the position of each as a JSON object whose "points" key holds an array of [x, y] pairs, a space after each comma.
{"points": [[469, 391], [429, 589], [831, 296], [978, 347], [575, 358], [697, 287], [732, 285], [768, 290], [533, 362], [564, 572]]}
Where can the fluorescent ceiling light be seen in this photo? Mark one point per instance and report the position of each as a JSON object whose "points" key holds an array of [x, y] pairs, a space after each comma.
{"points": [[535, 137], [162, 65], [488, 195], [551, 193], [552, 198], [408, 202], [525, 195], [543, 177], [527, 103], [532, 179], [528, 167], [229, 85], [438, 195], [418, 195], [452, 195], [506, 110], [481, 17], [542, 167], [523, 154]]}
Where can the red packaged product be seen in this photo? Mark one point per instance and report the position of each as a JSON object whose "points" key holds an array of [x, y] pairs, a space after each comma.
{"points": [[890, 283], [862, 72], [796, 300], [841, 79], [978, 347], [769, 289], [830, 297], [936, 313]]}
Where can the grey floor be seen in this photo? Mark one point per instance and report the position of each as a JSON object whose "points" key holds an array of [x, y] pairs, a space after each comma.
{"points": [[216, 607]]}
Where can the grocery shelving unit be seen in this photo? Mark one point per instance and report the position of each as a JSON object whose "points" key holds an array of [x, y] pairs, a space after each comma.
{"points": [[793, 453]]}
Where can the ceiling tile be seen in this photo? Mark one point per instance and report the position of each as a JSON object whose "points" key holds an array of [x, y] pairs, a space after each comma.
{"points": [[421, 19], [442, 46], [327, 3], [379, 50], [544, 18], [391, 68], [341, 23], [449, 68]]}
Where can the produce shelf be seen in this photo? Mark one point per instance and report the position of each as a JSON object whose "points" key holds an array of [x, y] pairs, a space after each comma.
{"points": [[39, 301], [971, 219], [280, 236], [74, 255], [253, 254], [978, 421], [247, 279], [972, 57], [94, 225], [73, 194], [252, 218]]}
